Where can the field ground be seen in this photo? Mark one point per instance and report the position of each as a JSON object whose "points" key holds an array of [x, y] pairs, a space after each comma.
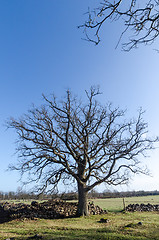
{"points": [[116, 204], [121, 226]]}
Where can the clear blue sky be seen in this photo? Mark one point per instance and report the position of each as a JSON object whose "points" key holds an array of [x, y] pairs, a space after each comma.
{"points": [[41, 51]]}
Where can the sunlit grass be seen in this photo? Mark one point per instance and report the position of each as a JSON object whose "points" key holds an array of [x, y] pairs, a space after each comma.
{"points": [[86, 228], [116, 204], [121, 226]]}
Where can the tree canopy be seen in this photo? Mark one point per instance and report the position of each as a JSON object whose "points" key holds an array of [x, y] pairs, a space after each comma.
{"points": [[140, 17], [81, 140]]}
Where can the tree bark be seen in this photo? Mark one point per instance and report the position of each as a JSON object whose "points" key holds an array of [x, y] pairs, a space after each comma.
{"points": [[82, 201]]}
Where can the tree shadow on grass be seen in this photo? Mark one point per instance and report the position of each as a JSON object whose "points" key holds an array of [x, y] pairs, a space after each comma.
{"points": [[83, 234]]}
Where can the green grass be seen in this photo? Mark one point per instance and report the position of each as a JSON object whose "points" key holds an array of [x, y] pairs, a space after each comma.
{"points": [[86, 228], [121, 226], [116, 204], [25, 201]]}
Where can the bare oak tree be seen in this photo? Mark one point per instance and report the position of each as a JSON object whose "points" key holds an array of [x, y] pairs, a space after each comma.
{"points": [[71, 139], [139, 16]]}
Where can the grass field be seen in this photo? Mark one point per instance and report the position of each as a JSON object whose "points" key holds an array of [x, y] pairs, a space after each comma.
{"points": [[116, 204], [121, 226]]}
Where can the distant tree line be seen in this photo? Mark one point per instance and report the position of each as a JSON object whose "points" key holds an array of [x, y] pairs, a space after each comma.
{"points": [[22, 195], [116, 194]]}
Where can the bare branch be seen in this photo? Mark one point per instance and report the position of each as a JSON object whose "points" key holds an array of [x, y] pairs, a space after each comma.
{"points": [[141, 18]]}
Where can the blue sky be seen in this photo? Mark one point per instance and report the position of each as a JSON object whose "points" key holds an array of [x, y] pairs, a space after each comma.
{"points": [[41, 51]]}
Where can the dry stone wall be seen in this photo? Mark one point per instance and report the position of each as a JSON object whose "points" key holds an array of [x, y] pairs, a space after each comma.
{"points": [[142, 207], [47, 209]]}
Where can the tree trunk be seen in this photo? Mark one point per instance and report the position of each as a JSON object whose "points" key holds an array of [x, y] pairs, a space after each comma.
{"points": [[82, 201]]}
